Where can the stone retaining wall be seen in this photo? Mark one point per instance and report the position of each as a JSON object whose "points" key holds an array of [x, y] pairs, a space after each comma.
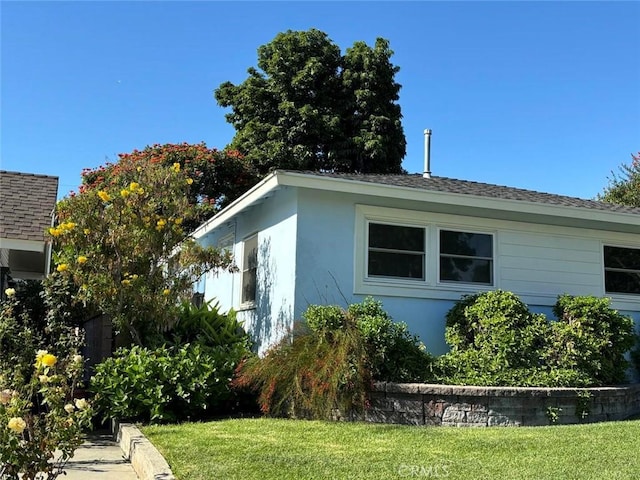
{"points": [[462, 406]]}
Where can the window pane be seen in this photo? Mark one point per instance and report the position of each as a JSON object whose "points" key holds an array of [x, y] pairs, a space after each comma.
{"points": [[622, 282], [618, 257], [402, 265], [396, 237], [249, 286], [468, 270], [467, 244]]}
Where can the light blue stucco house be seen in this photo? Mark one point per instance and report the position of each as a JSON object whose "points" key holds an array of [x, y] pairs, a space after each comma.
{"points": [[417, 243]]}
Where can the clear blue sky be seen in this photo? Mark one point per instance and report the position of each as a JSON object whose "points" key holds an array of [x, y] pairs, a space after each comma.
{"points": [[537, 95]]}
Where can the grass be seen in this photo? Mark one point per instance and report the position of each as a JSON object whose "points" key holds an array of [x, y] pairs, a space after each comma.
{"points": [[295, 449]]}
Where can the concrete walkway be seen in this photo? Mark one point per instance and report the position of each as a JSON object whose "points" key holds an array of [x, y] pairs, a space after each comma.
{"points": [[99, 458]]}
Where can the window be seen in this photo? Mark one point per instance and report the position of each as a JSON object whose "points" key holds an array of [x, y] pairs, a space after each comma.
{"points": [[466, 257], [249, 269], [396, 251], [621, 270]]}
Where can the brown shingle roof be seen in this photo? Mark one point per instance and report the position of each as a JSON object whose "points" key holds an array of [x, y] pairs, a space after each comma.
{"points": [[465, 187], [26, 204]]}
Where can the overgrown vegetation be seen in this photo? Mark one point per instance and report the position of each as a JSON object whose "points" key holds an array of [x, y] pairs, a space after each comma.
{"points": [[496, 340], [41, 407], [188, 377], [326, 367]]}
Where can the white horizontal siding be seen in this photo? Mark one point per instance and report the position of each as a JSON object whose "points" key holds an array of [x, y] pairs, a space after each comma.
{"points": [[535, 263]]}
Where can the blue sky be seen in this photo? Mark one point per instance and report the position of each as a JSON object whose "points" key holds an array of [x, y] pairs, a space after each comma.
{"points": [[537, 95]]}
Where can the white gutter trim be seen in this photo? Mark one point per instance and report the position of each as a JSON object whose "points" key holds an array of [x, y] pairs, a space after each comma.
{"points": [[305, 180], [270, 182]]}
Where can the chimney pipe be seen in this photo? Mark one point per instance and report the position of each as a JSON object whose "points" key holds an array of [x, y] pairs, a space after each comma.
{"points": [[427, 153]]}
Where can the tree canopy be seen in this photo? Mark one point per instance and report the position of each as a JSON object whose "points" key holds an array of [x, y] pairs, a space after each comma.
{"points": [[624, 188], [309, 107], [124, 237]]}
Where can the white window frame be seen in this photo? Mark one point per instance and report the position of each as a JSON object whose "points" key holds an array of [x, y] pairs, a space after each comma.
{"points": [[491, 259], [430, 287], [248, 269], [422, 253]]}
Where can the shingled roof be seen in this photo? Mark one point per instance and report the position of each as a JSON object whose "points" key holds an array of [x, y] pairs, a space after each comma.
{"points": [[465, 187], [26, 205]]}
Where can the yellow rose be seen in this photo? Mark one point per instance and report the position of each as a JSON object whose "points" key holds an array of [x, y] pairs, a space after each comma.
{"points": [[54, 232], [63, 267], [104, 196], [48, 360], [17, 425], [81, 404], [10, 292], [82, 259]]}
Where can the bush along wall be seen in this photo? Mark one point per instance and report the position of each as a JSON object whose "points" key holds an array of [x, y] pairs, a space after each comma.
{"points": [[496, 341], [326, 366]]}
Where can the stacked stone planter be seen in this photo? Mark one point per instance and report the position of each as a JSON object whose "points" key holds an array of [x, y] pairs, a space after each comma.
{"points": [[463, 406]]}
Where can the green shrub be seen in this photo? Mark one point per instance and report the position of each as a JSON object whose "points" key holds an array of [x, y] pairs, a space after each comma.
{"points": [[328, 363], [591, 337], [310, 375], [393, 353], [496, 340], [206, 326], [165, 384]]}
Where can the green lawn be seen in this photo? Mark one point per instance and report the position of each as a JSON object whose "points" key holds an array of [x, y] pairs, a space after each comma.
{"points": [[290, 449]]}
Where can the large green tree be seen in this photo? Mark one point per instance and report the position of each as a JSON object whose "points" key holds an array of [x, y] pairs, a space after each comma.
{"points": [[624, 187], [308, 107]]}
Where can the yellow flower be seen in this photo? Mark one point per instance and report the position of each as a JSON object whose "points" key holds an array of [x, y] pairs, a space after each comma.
{"points": [[189, 181], [126, 282], [39, 355], [69, 408], [178, 221], [139, 169], [124, 193], [17, 425], [135, 276], [176, 167], [104, 196], [63, 267], [54, 232], [43, 378], [160, 224], [82, 259], [166, 292], [140, 191], [48, 360], [68, 226], [81, 404], [133, 186], [10, 292], [77, 359], [86, 231]]}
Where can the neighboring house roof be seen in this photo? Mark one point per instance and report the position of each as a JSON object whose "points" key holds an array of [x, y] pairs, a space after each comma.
{"points": [[26, 205], [448, 195]]}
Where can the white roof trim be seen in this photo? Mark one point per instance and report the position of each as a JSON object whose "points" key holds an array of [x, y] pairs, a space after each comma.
{"points": [[26, 245], [304, 180]]}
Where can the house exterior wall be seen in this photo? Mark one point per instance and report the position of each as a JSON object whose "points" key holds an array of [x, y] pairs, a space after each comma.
{"points": [[536, 261], [313, 248], [274, 221]]}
